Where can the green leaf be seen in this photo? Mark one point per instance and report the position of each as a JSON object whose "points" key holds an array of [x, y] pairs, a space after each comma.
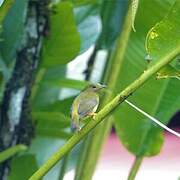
{"points": [[68, 83], [63, 42], [53, 120], [43, 92], [13, 30], [22, 167], [168, 72], [112, 15], [5, 8], [89, 25], [163, 38], [159, 98], [58, 106], [165, 35]]}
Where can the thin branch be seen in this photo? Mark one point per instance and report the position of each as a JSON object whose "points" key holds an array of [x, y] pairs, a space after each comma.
{"points": [[6, 154], [153, 119], [104, 112]]}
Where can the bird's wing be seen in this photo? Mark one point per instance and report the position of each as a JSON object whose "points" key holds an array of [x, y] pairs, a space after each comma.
{"points": [[87, 105]]}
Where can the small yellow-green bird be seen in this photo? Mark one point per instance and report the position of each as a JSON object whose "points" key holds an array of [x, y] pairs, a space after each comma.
{"points": [[85, 104]]}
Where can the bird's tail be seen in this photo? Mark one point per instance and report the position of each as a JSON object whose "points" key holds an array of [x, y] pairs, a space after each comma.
{"points": [[75, 124]]}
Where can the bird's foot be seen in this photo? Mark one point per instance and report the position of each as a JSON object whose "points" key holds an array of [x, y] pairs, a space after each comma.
{"points": [[78, 129], [93, 115]]}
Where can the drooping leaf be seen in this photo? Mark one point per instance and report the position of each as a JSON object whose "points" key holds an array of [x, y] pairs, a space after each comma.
{"points": [[63, 41], [159, 98], [22, 167]]}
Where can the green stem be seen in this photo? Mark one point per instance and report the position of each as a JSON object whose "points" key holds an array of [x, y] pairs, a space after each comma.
{"points": [[135, 168], [104, 112], [6, 154], [99, 135]]}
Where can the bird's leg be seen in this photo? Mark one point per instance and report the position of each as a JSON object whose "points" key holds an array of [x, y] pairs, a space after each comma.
{"points": [[92, 114]]}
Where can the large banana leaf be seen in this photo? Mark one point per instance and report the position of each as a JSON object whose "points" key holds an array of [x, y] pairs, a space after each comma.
{"points": [[63, 42], [159, 98]]}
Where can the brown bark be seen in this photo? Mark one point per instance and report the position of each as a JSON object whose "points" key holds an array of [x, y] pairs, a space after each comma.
{"points": [[15, 119]]}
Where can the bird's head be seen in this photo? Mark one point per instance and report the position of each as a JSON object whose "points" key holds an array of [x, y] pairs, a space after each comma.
{"points": [[95, 87]]}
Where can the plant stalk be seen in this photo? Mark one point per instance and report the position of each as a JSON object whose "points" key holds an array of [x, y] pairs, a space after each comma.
{"points": [[8, 153], [104, 112], [135, 168]]}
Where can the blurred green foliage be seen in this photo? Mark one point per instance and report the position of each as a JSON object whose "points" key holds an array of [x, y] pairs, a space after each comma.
{"points": [[74, 27]]}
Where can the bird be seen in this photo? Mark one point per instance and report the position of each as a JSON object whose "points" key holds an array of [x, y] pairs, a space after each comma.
{"points": [[85, 104]]}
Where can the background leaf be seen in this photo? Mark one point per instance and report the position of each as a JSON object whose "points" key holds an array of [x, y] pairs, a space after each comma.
{"points": [[89, 24], [165, 35], [22, 167], [63, 42], [13, 29], [68, 83], [5, 8], [112, 15], [159, 98]]}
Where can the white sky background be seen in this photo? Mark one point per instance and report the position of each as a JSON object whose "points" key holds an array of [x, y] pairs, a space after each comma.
{"points": [[1, 1]]}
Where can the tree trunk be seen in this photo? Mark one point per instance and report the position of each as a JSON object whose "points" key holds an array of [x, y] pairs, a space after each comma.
{"points": [[15, 120]]}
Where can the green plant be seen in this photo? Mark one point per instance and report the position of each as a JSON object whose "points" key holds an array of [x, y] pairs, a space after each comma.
{"points": [[34, 65]]}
